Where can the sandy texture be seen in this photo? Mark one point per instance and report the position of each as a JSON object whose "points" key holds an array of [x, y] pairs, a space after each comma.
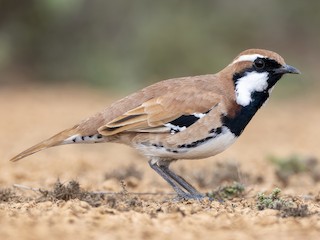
{"points": [[30, 114]]}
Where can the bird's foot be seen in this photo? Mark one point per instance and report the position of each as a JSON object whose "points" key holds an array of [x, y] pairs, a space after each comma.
{"points": [[189, 196]]}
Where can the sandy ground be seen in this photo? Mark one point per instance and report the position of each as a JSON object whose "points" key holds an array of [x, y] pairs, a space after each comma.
{"points": [[30, 114]]}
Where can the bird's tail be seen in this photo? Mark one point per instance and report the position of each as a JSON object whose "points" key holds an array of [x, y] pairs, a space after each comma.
{"points": [[58, 139]]}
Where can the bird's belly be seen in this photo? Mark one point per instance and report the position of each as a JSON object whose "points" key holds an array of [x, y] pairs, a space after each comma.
{"points": [[211, 147], [205, 149]]}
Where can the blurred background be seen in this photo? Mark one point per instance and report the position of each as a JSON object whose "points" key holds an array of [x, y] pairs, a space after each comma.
{"points": [[64, 60], [124, 45]]}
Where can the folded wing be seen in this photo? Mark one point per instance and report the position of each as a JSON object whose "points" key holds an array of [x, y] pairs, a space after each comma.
{"points": [[163, 114]]}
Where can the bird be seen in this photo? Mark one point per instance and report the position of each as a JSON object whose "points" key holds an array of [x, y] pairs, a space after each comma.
{"points": [[192, 117]]}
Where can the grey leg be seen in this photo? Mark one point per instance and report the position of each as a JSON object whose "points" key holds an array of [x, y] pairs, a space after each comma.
{"points": [[176, 181], [168, 179], [181, 181]]}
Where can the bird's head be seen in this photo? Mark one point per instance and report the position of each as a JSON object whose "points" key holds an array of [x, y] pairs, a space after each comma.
{"points": [[256, 71]]}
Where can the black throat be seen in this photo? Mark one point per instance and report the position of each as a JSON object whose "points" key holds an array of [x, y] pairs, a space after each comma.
{"points": [[238, 123]]}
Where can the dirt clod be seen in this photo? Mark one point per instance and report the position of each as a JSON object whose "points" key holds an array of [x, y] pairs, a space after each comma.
{"points": [[6, 195]]}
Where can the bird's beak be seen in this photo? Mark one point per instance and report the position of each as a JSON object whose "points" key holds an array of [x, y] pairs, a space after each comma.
{"points": [[287, 69]]}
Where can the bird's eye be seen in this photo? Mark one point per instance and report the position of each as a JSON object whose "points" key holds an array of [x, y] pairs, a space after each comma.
{"points": [[259, 63]]}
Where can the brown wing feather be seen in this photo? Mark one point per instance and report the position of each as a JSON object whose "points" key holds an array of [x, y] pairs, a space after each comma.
{"points": [[160, 103], [156, 112]]}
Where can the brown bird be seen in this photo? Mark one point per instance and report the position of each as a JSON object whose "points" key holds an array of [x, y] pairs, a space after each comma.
{"points": [[183, 118]]}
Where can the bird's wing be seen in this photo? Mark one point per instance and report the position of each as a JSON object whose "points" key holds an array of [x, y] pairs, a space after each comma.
{"points": [[156, 114]]}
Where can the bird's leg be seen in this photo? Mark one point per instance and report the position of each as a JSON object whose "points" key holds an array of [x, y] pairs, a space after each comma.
{"points": [[181, 181], [174, 180], [168, 179]]}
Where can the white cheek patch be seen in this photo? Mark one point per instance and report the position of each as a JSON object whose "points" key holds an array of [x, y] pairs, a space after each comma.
{"points": [[248, 84], [250, 58]]}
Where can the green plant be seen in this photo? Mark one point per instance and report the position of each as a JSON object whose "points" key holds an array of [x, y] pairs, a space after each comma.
{"points": [[272, 201], [287, 208], [228, 192]]}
